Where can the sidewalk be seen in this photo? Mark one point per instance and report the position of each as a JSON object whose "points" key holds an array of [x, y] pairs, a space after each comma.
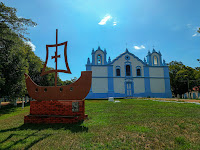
{"points": [[9, 103], [176, 99]]}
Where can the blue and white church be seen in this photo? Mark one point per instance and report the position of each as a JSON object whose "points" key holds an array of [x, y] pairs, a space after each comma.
{"points": [[128, 76]]}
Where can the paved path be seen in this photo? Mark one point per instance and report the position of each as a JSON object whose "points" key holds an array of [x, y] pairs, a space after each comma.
{"points": [[9, 103], [176, 99]]}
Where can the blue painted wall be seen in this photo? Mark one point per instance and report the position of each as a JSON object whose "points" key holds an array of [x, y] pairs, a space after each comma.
{"points": [[110, 81]]}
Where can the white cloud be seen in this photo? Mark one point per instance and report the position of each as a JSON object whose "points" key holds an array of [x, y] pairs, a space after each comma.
{"points": [[142, 46], [139, 47], [114, 23], [194, 34], [31, 45], [105, 19]]}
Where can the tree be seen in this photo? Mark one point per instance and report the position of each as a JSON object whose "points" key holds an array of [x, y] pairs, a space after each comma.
{"points": [[67, 82], [182, 78], [16, 57], [2, 81], [13, 63], [9, 19], [197, 75], [174, 67], [13, 66]]}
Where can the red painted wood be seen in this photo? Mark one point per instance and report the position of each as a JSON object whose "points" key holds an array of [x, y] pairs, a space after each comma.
{"points": [[75, 91]]}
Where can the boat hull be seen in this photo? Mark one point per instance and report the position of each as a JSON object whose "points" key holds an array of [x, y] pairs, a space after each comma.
{"points": [[75, 91]]}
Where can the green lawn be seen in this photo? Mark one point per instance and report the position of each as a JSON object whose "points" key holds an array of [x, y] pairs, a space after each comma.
{"points": [[129, 124]]}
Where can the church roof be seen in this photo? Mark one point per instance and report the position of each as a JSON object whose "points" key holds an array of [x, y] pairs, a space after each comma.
{"points": [[127, 52]]}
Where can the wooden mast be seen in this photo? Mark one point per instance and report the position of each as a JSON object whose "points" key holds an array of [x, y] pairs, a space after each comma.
{"points": [[56, 58]]}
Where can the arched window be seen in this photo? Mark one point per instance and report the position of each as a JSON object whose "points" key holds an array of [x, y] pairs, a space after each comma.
{"points": [[98, 59], [128, 70], [155, 60], [118, 72], [138, 72]]}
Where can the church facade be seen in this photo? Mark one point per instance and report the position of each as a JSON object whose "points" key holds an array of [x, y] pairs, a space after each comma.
{"points": [[128, 76]]}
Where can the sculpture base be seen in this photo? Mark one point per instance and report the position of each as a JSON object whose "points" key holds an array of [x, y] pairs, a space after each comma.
{"points": [[56, 112]]}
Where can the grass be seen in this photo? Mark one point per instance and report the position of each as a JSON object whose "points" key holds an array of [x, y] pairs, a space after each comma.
{"points": [[130, 124], [10, 110]]}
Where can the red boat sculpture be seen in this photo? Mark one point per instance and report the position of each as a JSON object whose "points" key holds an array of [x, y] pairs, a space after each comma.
{"points": [[75, 91]]}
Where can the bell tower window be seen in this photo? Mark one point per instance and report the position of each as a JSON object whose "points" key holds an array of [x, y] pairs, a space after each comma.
{"points": [[98, 59], [155, 60]]}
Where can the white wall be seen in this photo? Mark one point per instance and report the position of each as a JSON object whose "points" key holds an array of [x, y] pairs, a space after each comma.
{"points": [[99, 71], [139, 86], [119, 85], [156, 72], [119, 62], [99, 85], [135, 63], [157, 85]]}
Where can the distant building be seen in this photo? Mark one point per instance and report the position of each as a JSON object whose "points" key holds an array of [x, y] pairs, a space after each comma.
{"points": [[128, 76], [196, 88], [192, 94]]}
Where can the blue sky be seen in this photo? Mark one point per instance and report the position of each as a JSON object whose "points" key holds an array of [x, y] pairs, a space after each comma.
{"points": [[169, 25]]}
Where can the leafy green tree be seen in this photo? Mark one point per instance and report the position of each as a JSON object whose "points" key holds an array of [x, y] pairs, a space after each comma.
{"points": [[2, 81], [17, 57], [34, 64], [13, 64], [176, 85], [197, 75], [9, 19], [181, 77], [67, 82]]}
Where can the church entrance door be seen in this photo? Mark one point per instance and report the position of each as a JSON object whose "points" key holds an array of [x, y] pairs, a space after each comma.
{"points": [[128, 89]]}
